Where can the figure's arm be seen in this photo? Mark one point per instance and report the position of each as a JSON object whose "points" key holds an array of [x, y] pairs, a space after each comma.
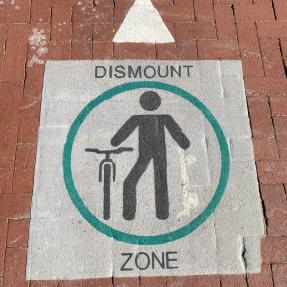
{"points": [[123, 133], [176, 133]]}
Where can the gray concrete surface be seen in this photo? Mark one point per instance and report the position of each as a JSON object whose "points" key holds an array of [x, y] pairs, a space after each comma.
{"points": [[63, 245]]}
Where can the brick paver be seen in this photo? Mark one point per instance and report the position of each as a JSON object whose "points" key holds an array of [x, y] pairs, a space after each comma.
{"points": [[251, 30]]}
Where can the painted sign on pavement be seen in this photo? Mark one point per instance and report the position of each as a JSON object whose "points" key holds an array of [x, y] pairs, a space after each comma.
{"points": [[143, 24], [144, 168]]}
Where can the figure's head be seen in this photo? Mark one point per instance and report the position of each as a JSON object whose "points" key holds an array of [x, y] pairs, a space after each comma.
{"points": [[150, 101]]}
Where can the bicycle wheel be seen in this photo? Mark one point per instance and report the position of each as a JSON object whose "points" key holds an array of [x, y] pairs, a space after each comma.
{"points": [[107, 191]]}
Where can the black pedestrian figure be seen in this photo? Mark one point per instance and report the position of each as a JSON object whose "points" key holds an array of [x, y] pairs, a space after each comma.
{"points": [[151, 147]]}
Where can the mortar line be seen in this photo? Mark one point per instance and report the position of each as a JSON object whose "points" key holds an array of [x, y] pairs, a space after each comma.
{"points": [[272, 119], [236, 29], [194, 14], [25, 71], [264, 210], [271, 271], [215, 22], [282, 57], [30, 12], [246, 279], [5, 253], [274, 10], [260, 49], [285, 191], [5, 47]]}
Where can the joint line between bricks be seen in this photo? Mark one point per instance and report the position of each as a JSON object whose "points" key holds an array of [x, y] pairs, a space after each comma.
{"points": [[260, 49], [263, 208], [275, 134], [5, 256], [285, 191], [156, 51], [25, 76], [246, 280], [271, 271], [113, 50], [215, 21], [176, 49], [50, 18], [73, 26], [92, 37], [30, 12], [194, 14], [29, 282], [17, 138], [5, 47], [282, 57], [236, 29], [51, 24], [274, 10], [272, 275], [272, 118]]}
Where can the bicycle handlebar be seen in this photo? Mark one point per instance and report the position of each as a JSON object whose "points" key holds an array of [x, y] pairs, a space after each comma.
{"points": [[115, 151]]}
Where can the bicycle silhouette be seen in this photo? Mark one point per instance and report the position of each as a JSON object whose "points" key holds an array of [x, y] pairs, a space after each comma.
{"points": [[107, 171]]}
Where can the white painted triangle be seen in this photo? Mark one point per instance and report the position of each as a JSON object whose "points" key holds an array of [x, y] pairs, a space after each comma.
{"points": [[143, 24]]}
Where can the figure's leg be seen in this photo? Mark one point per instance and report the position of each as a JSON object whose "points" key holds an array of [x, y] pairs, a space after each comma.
{"points": [[130, 184], [160, 184]]}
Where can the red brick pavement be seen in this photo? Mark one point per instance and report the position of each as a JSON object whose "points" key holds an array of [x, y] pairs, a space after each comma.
{"points": [[254, 31]]}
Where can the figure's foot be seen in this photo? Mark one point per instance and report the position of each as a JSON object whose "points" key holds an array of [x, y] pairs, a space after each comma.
{"points": [[128, 216], [162, 216]]}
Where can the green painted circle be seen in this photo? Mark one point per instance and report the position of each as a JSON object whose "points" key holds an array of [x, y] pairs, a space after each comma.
{"points": [[146, 239]]}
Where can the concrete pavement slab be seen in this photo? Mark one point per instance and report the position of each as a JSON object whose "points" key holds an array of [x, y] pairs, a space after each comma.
{"points": [[182, 198]]}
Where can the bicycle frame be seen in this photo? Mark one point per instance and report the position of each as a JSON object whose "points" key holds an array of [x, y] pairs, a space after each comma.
{"points": [[106, 178]]}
